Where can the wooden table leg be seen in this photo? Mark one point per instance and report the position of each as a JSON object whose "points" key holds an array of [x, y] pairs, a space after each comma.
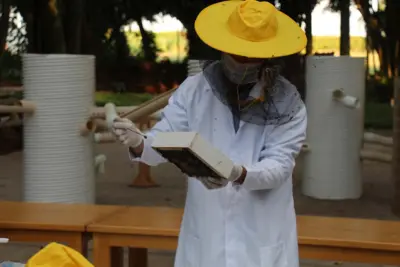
{"points": [[117, 257], [138, 257], [101, 251], [143, 178], [79, 243]]}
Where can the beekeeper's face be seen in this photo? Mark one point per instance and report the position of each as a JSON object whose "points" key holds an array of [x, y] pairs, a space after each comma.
{"points": [[245, 60]]}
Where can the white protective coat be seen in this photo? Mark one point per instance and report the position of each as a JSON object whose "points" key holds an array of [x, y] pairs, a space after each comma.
{"points": [[253, 224]]}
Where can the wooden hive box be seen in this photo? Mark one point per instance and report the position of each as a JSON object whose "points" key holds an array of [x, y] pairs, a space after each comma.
{"points": [[192, 154]]}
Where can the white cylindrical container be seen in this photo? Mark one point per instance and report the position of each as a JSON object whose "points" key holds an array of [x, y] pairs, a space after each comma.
{"points": [[194, 66], [59, 162], [332, 167], [110, 114]]}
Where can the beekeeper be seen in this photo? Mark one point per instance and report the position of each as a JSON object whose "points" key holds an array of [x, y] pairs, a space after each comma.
{"points": [[245, 108]]}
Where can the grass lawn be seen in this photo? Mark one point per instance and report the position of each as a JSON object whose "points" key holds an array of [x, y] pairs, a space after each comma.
{"points": [[377, 115], [123, 99]]}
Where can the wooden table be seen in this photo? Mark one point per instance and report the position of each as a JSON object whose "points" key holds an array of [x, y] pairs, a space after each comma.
{"points": [[139, 228], [51, 222], [348, 239], [324, 238]]}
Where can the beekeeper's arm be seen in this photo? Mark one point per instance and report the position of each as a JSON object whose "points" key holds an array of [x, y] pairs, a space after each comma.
{"points": [[278, 155], [173, 119]]}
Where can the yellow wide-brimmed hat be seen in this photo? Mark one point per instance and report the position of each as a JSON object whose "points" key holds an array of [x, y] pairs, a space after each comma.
{"points": [[249, 28], [57, 255]]}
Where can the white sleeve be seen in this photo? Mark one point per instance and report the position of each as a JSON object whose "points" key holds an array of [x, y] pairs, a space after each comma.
{"points": [[278, 155]]}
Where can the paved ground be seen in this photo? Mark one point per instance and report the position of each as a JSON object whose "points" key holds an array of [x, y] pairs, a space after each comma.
{"points": [[112, 189]]}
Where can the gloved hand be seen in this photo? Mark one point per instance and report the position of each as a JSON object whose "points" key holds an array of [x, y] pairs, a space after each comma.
{"points": [[127, 133], [215, 183], [236, 172]]}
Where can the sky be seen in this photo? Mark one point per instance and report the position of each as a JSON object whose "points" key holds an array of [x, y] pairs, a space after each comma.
{"points": [[324, 23]]}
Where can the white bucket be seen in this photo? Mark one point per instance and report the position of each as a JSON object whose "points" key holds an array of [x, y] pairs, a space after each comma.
{"points": [[332, 167], [194, 66], [59, 163]]}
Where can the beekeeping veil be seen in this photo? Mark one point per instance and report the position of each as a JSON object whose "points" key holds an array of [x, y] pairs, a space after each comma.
{"points": [[262, 100]]}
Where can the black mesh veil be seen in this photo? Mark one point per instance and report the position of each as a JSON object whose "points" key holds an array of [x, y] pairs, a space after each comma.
{"points": [[272, 100]]}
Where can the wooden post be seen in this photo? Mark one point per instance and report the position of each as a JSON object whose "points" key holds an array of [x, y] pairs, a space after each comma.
{"points": [[396, 148], [144, 179]]}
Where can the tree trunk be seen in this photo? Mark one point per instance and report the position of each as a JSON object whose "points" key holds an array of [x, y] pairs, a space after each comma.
{"points": [[27, 11], [91, 40], [74, 12], [89, 45], [308, 30], [393, 35], [49, 32], [149, 54], [4, 23], [394, 39], [344, 27], [396, 148]]}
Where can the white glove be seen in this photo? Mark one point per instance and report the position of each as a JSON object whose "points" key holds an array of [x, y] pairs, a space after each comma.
{"points": [[127, 133], [237, 171], [215, 183]]}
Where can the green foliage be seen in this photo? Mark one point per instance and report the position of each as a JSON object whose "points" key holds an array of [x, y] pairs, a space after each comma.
{"points": [[382, 29], [167, 43], [11, 67], [378, 111], [378, 115], [17, 35], [379, 89]]}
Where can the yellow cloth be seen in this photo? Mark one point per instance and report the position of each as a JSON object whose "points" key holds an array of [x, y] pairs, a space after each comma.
{"points": [[249, 28], [57, 255]]}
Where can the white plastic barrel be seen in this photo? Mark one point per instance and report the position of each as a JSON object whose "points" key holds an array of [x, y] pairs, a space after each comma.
{"points": [[58, 161], [332, 167], [194, 66]]}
